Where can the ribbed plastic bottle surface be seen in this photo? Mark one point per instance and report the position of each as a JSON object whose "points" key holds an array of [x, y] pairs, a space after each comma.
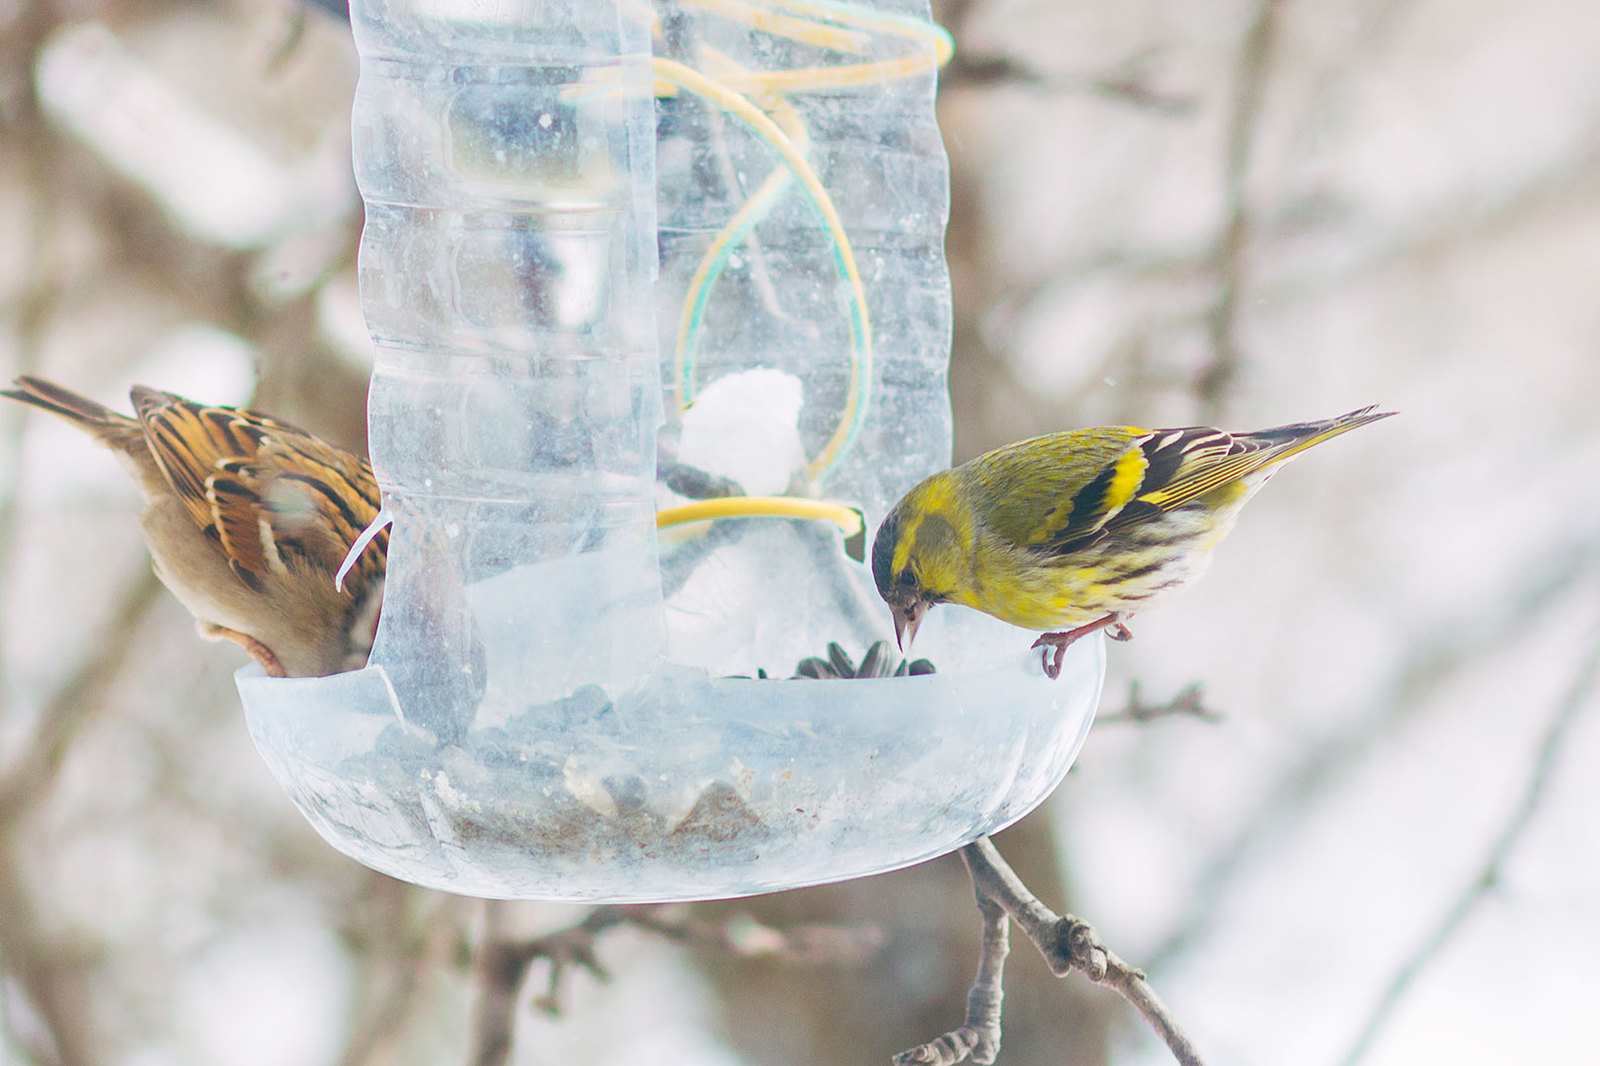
{"points": [[617, 257]]}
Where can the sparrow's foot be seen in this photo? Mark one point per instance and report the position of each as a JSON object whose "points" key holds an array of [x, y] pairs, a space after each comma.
{"points": [[253, 647]]}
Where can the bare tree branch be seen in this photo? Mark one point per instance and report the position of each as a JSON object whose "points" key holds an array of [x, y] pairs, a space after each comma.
{"points": [[1125, 85], [1070, 943], [812, 944], [1066, 942], [978, 1036], [1188, 703], [502, 965]]}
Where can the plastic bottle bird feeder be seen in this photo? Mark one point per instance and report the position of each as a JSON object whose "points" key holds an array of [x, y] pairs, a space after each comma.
{"points": [[621, 263]]}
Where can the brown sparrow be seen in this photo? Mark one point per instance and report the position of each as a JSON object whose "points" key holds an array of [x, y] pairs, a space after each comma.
{"points": [[248, 520]]}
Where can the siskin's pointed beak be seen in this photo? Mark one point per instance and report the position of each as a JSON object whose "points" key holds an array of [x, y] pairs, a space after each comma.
{"points": [[906, 621]]}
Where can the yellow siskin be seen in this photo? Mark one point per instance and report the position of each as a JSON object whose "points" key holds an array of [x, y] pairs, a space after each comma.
{"points": [[1074, 532], [247, 520]]}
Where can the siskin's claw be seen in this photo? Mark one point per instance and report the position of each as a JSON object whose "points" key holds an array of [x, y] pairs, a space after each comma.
{"points": [[1055, 646], [1112, 625]]}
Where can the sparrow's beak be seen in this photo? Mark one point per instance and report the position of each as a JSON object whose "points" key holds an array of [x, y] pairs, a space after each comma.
{"points": [[906, 621]]}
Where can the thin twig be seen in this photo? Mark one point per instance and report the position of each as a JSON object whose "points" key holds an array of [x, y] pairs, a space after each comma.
{"points": [[1123, 86], [502, 965], [978, 1036], [1066, 942], [1188, 703], [1578, 697], [831, 944]]}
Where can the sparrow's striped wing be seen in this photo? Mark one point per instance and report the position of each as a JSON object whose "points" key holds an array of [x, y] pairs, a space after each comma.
{"points": [[273, 495]]}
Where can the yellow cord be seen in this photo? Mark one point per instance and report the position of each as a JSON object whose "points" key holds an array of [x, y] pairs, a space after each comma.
{"points": [[738, 227], [937, 48], [876, 21], [807, 31], [804, 79], [769, 131], [847, 519], [819, 23]]}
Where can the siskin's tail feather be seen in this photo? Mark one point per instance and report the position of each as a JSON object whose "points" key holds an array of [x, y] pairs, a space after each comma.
{"points": [[1285, 441], [1219, 458]]}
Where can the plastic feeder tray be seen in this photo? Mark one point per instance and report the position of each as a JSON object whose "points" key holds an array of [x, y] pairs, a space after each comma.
{"points": [[616, 260]]}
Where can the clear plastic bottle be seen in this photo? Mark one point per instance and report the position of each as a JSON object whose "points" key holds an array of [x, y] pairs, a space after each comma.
{"points": [[611, 253]]}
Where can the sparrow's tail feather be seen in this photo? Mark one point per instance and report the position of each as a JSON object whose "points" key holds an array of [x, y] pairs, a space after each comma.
{"points": [[74, 407]]}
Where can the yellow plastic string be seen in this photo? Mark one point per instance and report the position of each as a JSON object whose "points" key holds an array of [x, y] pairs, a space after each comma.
{"points": [[731, 236], [807, 31], [875, 21], [817, 23], [936, 48], [861, 330], [848, 519]]}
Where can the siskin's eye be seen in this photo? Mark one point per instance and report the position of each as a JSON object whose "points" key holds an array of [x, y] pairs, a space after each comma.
{"points": [[906, 579]]}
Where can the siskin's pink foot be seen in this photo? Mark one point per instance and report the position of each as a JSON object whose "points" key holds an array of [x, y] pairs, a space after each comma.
{"points": [[253, 647], [1111, 623]]}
